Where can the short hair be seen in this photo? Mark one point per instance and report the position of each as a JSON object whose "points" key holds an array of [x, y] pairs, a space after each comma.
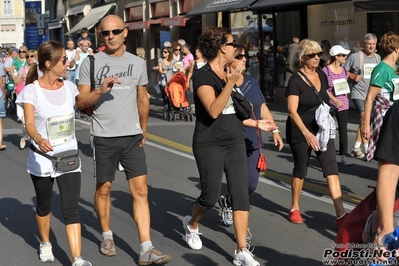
{"points": [[140, 52], [84, 30], [211, 40], [388, 43], [188, 46], [295, 40], [306, 46], [369, 36], [182, 42]]}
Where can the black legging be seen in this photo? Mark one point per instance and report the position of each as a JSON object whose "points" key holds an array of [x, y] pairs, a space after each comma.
{"points": [[342, 118], [69, 187]]}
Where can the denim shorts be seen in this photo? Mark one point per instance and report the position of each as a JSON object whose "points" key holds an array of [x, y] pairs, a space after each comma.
{"points": [[2, 109]]}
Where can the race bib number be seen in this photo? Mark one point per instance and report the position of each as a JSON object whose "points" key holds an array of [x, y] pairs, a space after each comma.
{"points": [[395, 89], [61, 129], [341, 86], [368, 68]]}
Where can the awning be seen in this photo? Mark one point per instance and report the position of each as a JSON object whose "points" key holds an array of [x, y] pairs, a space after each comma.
{"points": [[214, 6], [272, 3], [55, 24], [92, 18], [375, 6]]}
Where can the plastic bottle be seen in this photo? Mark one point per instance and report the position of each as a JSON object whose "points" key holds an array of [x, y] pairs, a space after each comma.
{"points": [[391, 241]]}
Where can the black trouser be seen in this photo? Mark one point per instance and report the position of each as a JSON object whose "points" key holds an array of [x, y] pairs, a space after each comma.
{"points": [[342, 118], [69, 187]]}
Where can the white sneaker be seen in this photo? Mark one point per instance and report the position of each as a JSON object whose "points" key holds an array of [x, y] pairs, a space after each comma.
{"points": [[80, 262], [22, 143], [192, 237], [45, 252], [244, 258]]}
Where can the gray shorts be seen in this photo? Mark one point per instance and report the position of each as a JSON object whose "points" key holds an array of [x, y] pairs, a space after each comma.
{"points": [[108, 152], [359, 104]]}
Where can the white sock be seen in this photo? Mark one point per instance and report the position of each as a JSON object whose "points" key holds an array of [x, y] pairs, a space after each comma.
{"points": [[366, 147], [145, 246], [357, 144], [108, 235]]}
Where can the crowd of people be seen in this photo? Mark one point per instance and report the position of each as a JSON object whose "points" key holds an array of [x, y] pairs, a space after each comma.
{"points": [[52, 82]]}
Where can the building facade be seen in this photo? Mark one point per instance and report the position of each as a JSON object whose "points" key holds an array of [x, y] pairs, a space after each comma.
{"points": [[12, 23]]}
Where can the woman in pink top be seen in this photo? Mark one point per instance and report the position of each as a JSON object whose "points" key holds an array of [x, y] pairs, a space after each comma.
{"points": [[337, 78]]}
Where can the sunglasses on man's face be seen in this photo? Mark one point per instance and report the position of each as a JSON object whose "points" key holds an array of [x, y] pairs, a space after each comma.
{"points": [[115, 32], [233, 43], [313, 55]]}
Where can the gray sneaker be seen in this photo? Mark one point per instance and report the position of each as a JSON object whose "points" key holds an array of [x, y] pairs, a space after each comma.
{"points": [[345, 161], [227, 212], [153, 256], [45, 252], [108, 247], [81, 262], [358, 153]]}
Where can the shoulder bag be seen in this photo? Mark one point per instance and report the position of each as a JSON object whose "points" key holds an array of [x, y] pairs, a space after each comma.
{"points": [[262, 162], [333, 108]]}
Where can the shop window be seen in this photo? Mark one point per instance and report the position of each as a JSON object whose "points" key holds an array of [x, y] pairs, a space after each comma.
{"points": [[8, 27], [381, 23]]}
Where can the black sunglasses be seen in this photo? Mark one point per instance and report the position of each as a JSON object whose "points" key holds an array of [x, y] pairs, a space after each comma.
{"points": [[21, 51], [233, 43], [344, 55], [177, 49], [115, 32], [31, 56], [313, 55], [165, 52], [240, 56]]}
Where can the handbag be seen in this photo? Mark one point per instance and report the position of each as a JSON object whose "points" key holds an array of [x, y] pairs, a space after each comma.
{"points": [[65, 161], [262, 162], [333, 108], [242, 105]]}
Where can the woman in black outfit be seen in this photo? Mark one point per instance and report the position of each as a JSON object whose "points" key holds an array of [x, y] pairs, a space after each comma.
{"points": [[218, 141], [302, 128]]}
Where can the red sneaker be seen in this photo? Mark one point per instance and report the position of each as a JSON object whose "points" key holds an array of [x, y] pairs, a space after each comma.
{"points": [[295, 216], [340, 221]]}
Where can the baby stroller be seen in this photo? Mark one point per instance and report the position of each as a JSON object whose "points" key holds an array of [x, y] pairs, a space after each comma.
{"points": [[176, 93]]}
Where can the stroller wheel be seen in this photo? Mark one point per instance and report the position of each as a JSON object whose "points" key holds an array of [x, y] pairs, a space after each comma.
{"points": [[170, 117], [186, 117], [191, 117], [165, 115]]}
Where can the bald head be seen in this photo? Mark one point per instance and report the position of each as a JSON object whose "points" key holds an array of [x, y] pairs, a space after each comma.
{"points": [[111, 19]]}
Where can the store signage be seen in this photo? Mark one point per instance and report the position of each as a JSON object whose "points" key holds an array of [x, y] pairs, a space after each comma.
{"points": [[134, 13], [187, 5], [217, 3], [138, 25], [173, 21]]}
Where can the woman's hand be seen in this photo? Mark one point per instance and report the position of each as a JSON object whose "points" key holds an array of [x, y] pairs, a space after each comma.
{"points": [[365, 130], [339, 103], [266, 125], [312, 141], [44, 145], [233, 75], [278, 141]]}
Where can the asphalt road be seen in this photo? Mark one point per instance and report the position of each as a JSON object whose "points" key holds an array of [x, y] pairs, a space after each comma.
{"points": [[173, 186]]}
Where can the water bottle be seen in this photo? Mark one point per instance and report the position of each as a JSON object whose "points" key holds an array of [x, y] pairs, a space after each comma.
{"points": [[391, 241]]}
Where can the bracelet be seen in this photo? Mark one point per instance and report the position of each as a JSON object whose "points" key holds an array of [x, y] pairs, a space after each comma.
{"points": [[276, 131], [36, 135], [256, 124]]}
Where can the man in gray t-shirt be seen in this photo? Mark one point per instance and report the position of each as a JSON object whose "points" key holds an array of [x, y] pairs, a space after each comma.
{"points": [[359, 66], [119, 126]]}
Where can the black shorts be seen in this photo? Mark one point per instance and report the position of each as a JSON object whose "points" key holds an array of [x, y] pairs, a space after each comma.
{"points": [[108, 152], [327, 159], [388, 141]]}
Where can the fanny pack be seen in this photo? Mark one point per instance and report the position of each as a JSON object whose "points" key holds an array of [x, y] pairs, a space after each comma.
{"points": [[65, 161]]}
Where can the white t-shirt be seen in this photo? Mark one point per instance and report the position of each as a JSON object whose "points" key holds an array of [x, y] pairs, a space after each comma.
{"points": [[70, 55], [50, 105]]}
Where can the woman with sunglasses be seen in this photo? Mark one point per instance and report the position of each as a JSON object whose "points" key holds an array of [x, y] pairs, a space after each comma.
{"points": [[306, 88], [218, 142], [19, 61], [337, 77], [46, 99], [177, 56], [196, 64], [383, 90], [261, 119], [20, 84], [165, 68]]}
